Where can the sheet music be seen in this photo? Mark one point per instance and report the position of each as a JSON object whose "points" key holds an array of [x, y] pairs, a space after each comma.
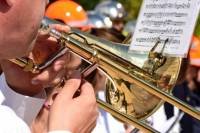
{"points": [[172, 19]]}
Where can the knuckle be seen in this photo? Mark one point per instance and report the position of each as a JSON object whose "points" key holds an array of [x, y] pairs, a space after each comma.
{"points": [[43, 77]]}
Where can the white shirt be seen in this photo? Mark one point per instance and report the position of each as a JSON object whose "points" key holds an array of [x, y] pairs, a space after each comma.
{"points": [[14, 108], [10, 122], [25, 107], [160, 122]]}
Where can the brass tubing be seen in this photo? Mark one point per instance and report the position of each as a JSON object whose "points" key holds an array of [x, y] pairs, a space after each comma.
{"points": [[168, 98], [20, 62], [125, 118], [96, 51], [123, 71], [151, 89]]}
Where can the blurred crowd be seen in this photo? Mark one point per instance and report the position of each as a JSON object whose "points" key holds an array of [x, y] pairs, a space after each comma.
{"points": [[107, 21]]}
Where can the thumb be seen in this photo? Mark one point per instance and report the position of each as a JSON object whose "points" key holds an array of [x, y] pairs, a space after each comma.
{"points": [[71, 85], [87, 92]]}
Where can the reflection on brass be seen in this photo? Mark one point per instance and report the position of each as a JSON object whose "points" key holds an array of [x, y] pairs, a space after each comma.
{"points": [[134, 90]]}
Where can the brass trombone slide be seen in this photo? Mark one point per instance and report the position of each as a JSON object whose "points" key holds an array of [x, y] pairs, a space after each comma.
{"points": [[133, 92]]}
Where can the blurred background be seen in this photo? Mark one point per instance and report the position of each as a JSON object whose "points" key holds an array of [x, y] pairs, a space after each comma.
{"points": [[131, 6]]}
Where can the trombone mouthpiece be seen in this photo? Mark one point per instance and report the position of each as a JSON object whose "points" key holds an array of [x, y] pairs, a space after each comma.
{"points": [[45, 28]]}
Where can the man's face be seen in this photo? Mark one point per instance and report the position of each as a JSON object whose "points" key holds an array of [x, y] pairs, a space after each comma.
{"points": [[19, 27]]}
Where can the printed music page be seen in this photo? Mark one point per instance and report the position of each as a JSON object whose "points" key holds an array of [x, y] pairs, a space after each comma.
{"points": [[166, 19]]}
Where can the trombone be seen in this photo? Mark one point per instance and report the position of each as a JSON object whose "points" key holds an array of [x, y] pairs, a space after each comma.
{"points": [[137, 84]]}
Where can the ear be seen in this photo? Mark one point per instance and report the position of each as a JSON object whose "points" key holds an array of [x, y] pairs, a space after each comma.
{"points": [[10, 2]]}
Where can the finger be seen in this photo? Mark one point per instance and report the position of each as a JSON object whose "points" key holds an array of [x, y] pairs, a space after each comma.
{"points": [[61, 62], [56, 81], [42, 36], [46, 76], [75, 62], [90, 127], [64, 28], [71, 85], [50, 100], [87, 92]]}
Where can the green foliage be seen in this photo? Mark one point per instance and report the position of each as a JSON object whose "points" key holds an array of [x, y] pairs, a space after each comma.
{"points": [[88, 4], [197, 29], [132, 7]]}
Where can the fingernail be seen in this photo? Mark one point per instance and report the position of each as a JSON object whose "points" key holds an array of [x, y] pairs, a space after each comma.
{"points": [[35, 82]]}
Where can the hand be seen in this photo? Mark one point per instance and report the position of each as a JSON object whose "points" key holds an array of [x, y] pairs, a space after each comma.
{"points": [[40, 123], [31, 84], [78, 114]]}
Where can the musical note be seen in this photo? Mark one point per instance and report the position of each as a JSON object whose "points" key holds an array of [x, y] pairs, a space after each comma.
{"points": [[163, 23], [169, 19], [153, 39], [168, 6], [161, 31], [164, 14]]}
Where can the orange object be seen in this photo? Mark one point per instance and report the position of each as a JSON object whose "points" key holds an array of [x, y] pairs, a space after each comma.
{"points": [[64, 0], [68, 12], [194, 53]]}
